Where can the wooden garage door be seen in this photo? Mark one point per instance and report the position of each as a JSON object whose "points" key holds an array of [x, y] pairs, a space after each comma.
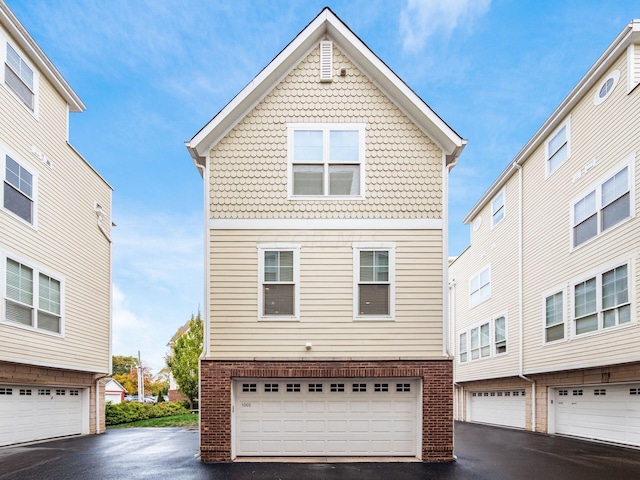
{"points": [[29, 413], [498, 407], [603, 412], [326, 417]]}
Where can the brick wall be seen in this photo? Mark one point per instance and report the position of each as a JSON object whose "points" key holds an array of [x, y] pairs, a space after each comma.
{"points": [[215, 394], [19, 374]]}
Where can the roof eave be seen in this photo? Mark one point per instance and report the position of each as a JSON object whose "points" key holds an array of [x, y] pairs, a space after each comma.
{"points": [[35, 53], [630, 34], [325, 24]]}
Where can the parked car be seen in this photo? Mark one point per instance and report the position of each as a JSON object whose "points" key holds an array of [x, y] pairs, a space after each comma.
{"points": [[150, 399]]}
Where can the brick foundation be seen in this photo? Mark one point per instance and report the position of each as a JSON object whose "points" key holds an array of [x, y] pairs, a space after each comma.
{"points": [[215, 395]]}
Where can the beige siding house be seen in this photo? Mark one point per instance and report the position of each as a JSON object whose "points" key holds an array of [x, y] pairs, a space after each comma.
{"points": [[55, 254], [562, 264], [326, 325]]}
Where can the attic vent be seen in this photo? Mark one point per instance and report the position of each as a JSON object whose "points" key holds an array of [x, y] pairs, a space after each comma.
{"points": [[326, 61]]}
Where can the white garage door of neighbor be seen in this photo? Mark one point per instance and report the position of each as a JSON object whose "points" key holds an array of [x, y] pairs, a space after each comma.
{"points": [[326, 417], [29, 413], [499, 407], [602, 412]]}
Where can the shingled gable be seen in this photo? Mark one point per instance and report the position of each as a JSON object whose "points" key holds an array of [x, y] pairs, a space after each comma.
{"points": [[326, 25]]}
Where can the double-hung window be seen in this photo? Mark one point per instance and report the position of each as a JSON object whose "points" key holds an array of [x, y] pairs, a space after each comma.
{"points": [[497, 208], [602, 301], [500, 335], [557, 148], [279, 281], [18, 190], [19, 77], [326, 160], [480, 286], [554, 317], [32, 298], [374, 280], [480, 341], [603, 207], [463, 347]]}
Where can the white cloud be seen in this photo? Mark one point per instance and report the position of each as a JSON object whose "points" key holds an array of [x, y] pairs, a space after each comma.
{"points": [[422, 19]]}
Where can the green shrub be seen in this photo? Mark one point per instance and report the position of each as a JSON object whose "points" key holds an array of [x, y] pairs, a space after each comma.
{"points": [[128, 412]]}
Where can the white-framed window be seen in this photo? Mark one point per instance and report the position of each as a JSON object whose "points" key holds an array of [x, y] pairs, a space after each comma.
{"points": [[20, 76], [497, 208], [326, 160], [463, 348], [32, 298], [18, 188], [558, 147], [480, 286], [279, 281], [480, 341], [484, 340], [374, 281], [606, 87], [602, 301], [500, 335], [554, 317], [603, 206]]}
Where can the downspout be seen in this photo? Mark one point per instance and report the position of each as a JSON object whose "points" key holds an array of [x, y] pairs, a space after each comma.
{"points": [[446, 340], [520, 299], [204, 172]]}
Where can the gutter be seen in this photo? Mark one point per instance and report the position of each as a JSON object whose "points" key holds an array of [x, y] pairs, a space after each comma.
{"points": [[518, 167]]}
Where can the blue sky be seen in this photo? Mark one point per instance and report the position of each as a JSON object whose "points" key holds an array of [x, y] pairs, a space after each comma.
{"points": [[153, 72]]}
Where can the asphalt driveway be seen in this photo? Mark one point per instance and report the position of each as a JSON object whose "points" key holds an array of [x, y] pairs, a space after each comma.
{"points": [[483, 453]]}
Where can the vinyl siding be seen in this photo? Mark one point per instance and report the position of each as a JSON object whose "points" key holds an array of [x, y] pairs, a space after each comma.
{"points": [[249, 166], [326, 297], [498, 247], [608, 133], [634, 66], [67, 241]]}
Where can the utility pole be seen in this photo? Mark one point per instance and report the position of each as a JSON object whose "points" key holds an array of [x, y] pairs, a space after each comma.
{"points": [[140, 380]]}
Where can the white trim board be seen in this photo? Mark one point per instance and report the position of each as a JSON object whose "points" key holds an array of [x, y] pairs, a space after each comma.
{"points": [[325, 224]]}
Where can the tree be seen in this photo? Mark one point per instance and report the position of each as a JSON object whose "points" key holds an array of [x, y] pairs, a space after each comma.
{"points": [[121, 364], [184, 358]]}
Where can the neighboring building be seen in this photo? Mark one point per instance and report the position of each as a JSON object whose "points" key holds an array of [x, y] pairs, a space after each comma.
{"points": [[113, 391], [325, 331], [174, 395], [55, 254], [545, 299]]}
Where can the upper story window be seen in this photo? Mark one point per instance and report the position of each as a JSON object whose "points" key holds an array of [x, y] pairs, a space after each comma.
{"points": [[602, 301], [554, 317], [606, 87], [279, 281], [32, 298], [19, 77], [488, 339], [18, 190], [374, 279], [326, 160], [605, 206], [557, 148], [480, 286], [497, 208]]}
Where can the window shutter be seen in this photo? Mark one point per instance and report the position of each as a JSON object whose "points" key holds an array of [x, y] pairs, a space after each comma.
{"points": [[326, 61]]}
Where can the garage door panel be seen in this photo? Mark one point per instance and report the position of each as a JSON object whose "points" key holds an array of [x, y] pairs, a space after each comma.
{"points": [[506, 408], [30, 413], [322, 417], [602, 412]]}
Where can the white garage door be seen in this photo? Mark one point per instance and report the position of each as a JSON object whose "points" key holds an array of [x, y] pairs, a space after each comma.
{"points": [[326, 417], [29, 413], [504, 407], [603, 412]]}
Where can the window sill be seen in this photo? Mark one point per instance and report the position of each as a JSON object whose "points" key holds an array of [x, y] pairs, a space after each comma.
{"points": [[31, 329], [600, 331], [600, 235], [374, 318], [278, 319], [325, 197], [19, 218]]}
